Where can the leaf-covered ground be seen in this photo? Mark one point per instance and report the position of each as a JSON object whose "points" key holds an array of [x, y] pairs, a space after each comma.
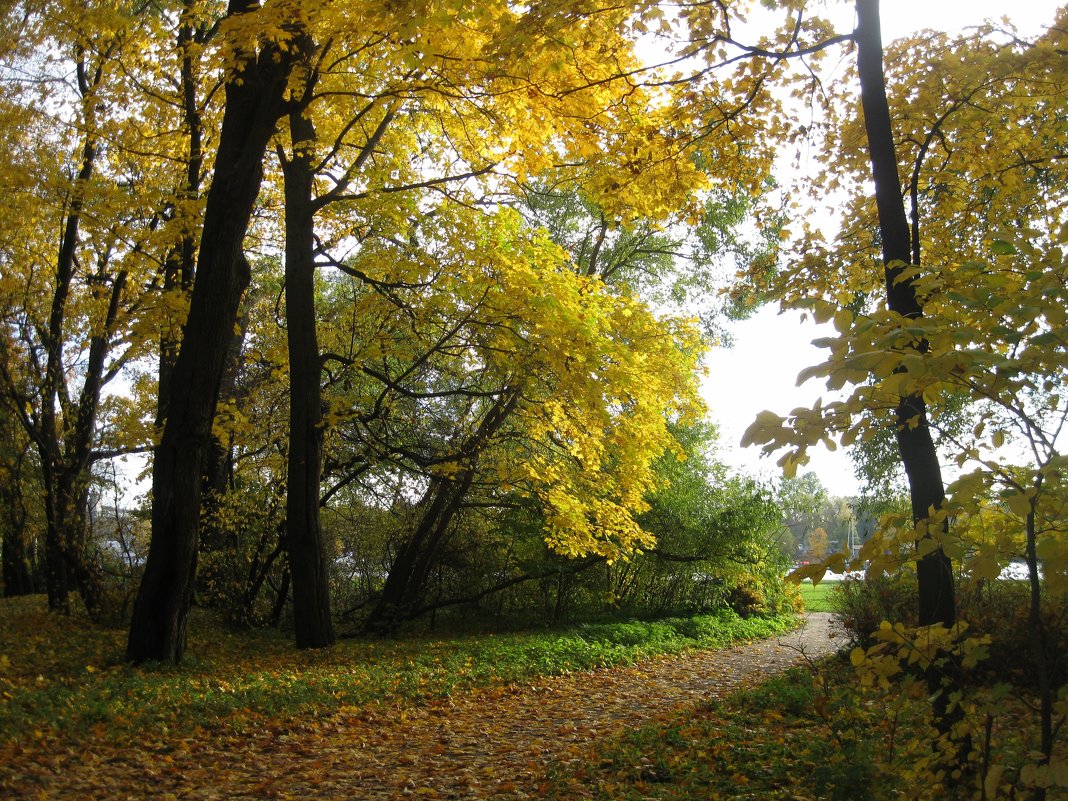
{"points": [[469, 732]]}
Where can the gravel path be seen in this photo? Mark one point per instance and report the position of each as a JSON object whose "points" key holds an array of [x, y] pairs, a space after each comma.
{"points": [[479, 745]]}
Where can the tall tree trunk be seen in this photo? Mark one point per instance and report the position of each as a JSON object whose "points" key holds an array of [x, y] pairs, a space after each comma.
{"points": [[915, 444], [254, 104], [307, 557]]}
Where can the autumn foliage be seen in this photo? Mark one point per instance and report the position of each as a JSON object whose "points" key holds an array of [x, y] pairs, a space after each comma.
{"points": [[400, 310]]}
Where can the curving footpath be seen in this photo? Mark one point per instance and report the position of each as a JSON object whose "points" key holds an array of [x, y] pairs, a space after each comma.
{"points": [[483, 744]]}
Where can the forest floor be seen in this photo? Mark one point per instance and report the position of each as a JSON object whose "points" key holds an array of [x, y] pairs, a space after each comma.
{"points": [[485, 743]]}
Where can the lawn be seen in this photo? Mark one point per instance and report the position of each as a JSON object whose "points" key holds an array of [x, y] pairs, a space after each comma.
{"points": [[817, 597]]}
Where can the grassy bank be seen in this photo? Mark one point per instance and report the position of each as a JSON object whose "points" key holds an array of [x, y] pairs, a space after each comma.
{"points": [[63, 679]]}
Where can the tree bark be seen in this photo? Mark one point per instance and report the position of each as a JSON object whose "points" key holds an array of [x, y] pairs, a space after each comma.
{"points": [[304, 541], [254, 104]]}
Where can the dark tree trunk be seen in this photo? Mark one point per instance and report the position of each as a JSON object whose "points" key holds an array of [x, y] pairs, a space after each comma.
{"points": [[254, 104], [307, 557], [915, 445], [937, 604]]}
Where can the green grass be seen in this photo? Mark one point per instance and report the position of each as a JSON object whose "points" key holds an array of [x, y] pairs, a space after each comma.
{"points": [[61, 678], [817, 598]]}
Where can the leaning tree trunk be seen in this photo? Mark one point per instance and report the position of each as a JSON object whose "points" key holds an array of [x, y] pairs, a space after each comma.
{"points": [[254, 104], [304, 541], [408, 575], [915, 443], [410, 571]]}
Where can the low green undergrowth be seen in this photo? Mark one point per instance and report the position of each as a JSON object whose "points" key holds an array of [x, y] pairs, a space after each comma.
{"points": [[63, 678], [767, 742], [809, 734]]}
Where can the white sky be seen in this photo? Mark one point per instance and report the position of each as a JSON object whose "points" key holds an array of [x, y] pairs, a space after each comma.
{"points": [[760, 371]]}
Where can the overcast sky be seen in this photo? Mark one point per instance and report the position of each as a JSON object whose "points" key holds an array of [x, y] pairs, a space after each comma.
{"points": [[760, 370]]}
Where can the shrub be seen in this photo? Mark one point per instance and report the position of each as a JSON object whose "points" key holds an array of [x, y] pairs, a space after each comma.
{"points": [[861, 604], [747, 598], [998, 609], [1001, 610]]}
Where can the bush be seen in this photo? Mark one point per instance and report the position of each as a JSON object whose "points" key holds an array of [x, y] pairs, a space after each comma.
{"points": [[998, 609], [747, 598], [1001, 610], [861, 604]]}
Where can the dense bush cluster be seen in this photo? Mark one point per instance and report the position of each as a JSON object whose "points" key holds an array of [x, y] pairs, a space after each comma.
{"points": [[998, 610]]}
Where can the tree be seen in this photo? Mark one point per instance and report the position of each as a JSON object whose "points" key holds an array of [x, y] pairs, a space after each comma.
{"points": [[817, 543], [364, 104], [466, 394], [912, 430], [255, 95], [802, 500], [910, 424], [947, 339], [307, 557], [86, 204]]}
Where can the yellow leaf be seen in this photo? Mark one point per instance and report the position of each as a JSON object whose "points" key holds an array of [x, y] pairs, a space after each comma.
{"points": [[843, 320]]}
